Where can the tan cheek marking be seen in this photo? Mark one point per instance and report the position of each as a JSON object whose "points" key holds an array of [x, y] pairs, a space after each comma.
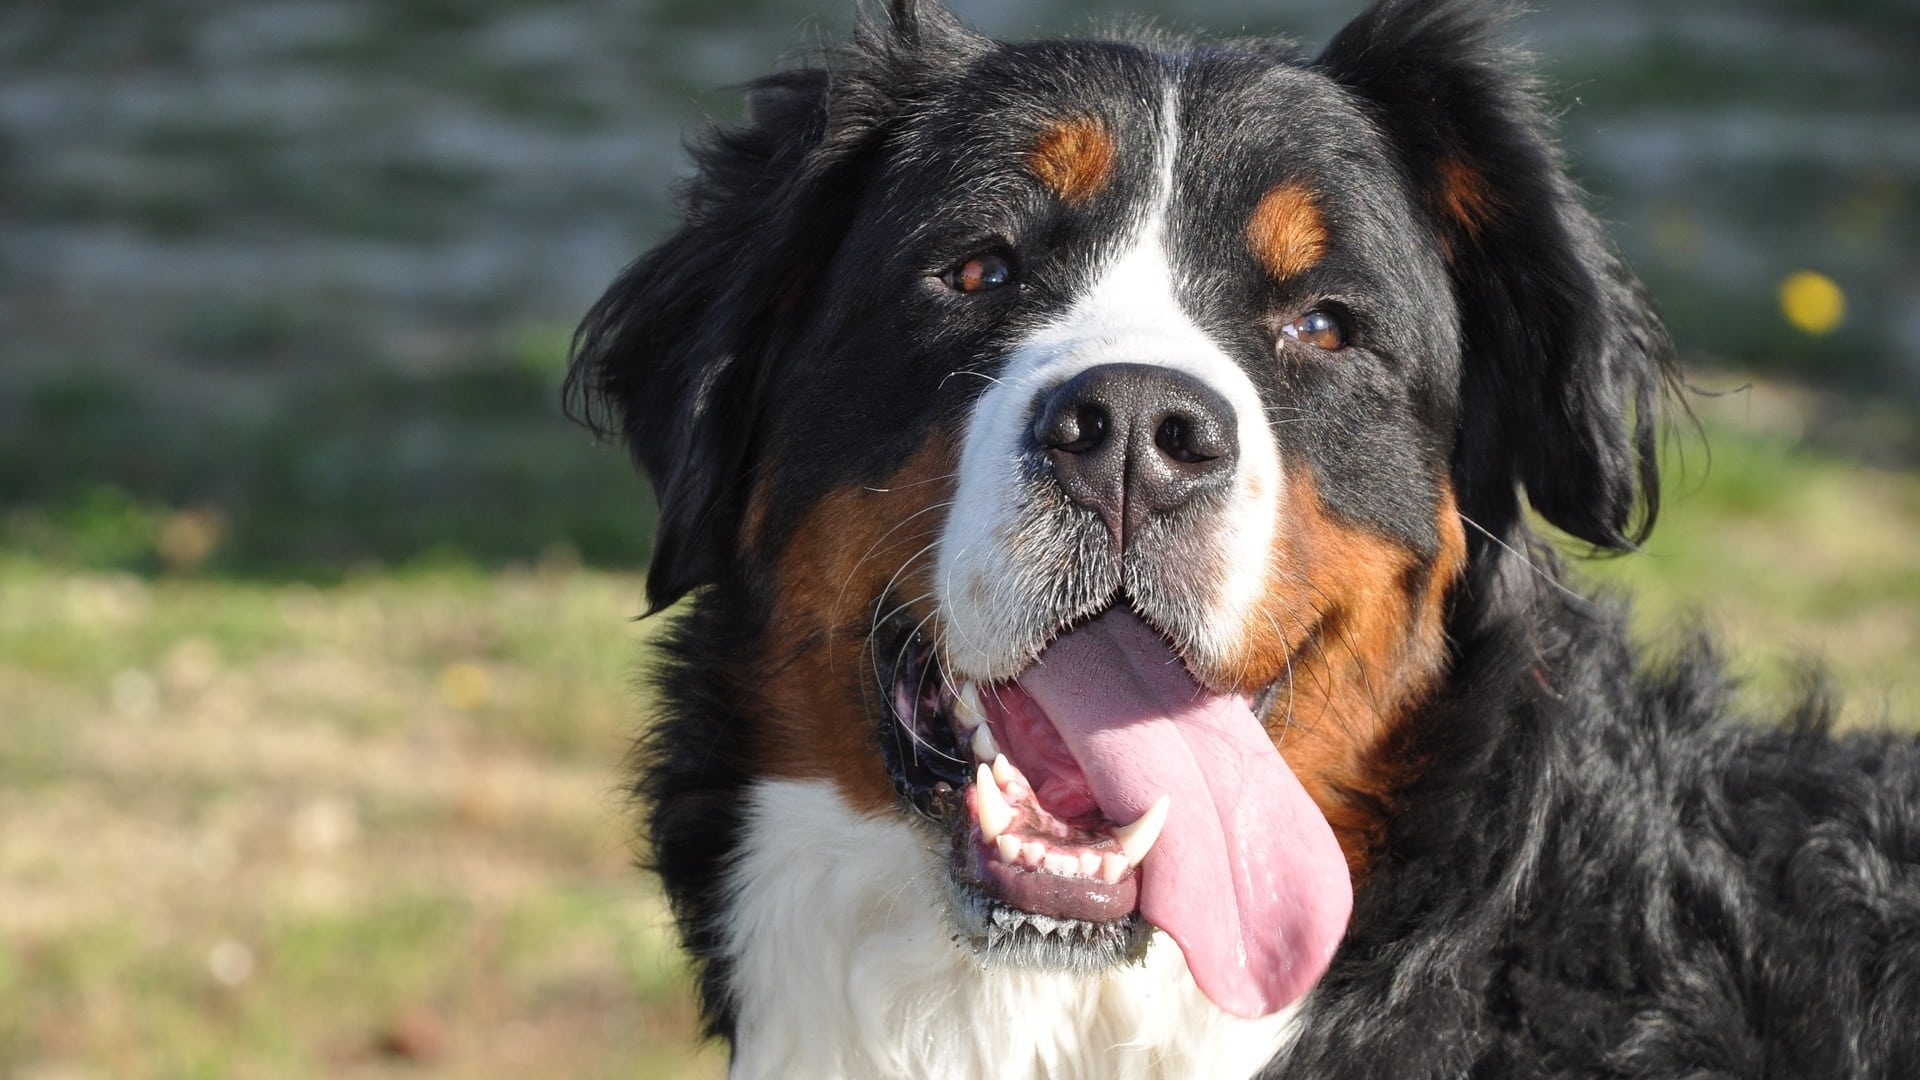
{"points": [[1363, 652], [753, 523], [1464, 197], [817, 684], [1074, 158], [1286, 233]]}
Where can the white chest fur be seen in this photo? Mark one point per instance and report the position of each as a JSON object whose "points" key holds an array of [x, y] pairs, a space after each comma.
{"points": [[844, 966]]}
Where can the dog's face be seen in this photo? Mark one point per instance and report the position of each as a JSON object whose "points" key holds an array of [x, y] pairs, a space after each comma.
{"points": [[1089, 427]]}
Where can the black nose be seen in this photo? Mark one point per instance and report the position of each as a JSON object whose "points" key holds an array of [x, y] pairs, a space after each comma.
{"points": [[1129, 440]]}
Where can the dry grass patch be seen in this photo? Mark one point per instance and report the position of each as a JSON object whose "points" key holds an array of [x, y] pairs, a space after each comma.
{"points": [[260, 829]]}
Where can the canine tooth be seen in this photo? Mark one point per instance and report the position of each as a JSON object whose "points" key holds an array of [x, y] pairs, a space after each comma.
{"points": [[966, 707], [1009, 846], [995, 814], [1012, 780], [1113, 867], [1004, 773], [1137, 839], [984, 748]]}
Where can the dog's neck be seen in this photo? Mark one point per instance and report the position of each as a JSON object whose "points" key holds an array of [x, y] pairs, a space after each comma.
{"points": [[842, 964]]}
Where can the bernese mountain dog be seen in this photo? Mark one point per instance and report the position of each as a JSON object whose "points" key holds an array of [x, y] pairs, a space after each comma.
{"points": [[1100, 491]]}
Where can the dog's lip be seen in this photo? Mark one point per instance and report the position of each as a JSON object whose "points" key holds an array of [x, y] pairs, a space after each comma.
{"points": [[916, 738]]}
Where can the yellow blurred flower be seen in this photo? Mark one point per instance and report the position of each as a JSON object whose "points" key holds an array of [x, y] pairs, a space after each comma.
{"points": [[1812, 302], [187, 537], [465, 685]]}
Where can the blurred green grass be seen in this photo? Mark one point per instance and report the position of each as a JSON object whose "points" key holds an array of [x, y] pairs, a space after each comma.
{"points": [[371, 464], [1801, 560]]}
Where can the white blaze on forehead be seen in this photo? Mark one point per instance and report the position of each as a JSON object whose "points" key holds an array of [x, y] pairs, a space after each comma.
{"points": [[989, 595]]}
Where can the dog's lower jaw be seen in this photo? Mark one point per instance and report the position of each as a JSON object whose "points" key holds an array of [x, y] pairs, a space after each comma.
{"points": [[844, 964]]}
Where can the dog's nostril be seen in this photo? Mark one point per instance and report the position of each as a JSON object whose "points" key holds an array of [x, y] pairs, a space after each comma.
{"points": [[1078, 429], [1090, 425], [1189, 438], [1175, 438]]}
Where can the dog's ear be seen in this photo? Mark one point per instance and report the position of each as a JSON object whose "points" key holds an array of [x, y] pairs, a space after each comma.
{"points": [[673, 358], [1565, 359]]}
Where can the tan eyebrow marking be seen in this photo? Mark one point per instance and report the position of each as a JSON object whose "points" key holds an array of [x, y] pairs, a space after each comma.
{"points": [[1074, 158], [1286, 232], [1463, 195]]}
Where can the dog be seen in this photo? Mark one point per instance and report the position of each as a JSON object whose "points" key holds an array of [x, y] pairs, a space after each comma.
{"points": [[1112, 639]]}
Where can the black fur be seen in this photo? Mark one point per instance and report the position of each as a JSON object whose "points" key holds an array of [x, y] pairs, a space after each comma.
{"points": [[1600, 869], [693, 771], [675, 357], [1606, 871], [1557, 332]]}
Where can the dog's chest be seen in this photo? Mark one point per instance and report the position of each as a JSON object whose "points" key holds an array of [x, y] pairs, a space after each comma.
{"points": [[843, 966]]}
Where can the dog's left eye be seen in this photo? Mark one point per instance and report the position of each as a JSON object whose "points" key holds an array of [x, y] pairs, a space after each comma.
{"points": [[1320, 328], [980, 273]]}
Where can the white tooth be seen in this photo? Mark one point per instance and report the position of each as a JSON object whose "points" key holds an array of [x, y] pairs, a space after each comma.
{"points": [[1137, 839], [966, 707], [984, 748], [1004, 773], [1059, 862], [1009, 846], [1033, 853], [1089, 864], [995, 814], [1113, 867]]}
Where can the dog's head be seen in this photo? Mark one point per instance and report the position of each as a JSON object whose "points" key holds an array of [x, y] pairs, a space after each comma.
{"points": [[1087, 430]]}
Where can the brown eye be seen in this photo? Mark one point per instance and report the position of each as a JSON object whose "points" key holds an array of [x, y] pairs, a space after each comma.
{"points": [[1318, 328], [980, 273]]}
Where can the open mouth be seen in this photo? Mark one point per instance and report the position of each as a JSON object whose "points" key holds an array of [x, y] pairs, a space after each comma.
{"points": [[1103, 788]]}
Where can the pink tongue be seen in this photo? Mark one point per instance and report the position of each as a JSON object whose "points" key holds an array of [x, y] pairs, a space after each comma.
{"points": [[1246, 876]]}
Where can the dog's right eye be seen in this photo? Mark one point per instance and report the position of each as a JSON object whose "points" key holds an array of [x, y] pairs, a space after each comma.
{"points": [[1321, 327], [988, 270]]}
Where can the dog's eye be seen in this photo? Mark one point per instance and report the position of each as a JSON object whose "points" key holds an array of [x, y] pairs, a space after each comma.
{"points": [[1320, 328], [980, 273]]}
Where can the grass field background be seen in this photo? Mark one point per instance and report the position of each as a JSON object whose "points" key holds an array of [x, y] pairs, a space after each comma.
{"points": [[317, 657]]}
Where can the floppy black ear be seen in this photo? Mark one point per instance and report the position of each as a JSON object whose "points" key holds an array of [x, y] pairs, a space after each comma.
{"points": [[1564, 357], [673, 357]]}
